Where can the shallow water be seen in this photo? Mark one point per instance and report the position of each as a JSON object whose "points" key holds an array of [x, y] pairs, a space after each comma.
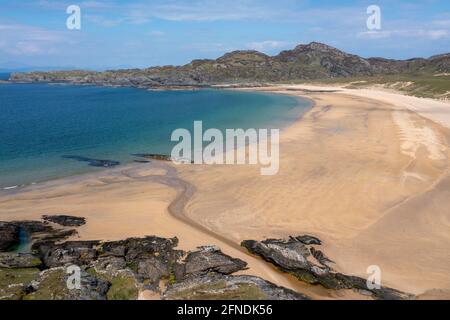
{"points": [[42, 124]]}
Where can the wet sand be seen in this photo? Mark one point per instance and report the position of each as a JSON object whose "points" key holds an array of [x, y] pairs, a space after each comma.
{"points": [[368, 177]]}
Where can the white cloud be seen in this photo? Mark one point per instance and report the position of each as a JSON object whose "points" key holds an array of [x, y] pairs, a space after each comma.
{"points": [[438, 34], [266, 45], [374, 34], [442, 23], [406, 33], [102, 21], [19, 39]]}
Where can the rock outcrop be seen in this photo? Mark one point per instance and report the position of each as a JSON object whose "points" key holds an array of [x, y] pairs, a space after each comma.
{"points": [[298, 257], [19, 260], [211, 259], [9, 235], [15, 232], [94, 162], [119, 270], [65, 221]]}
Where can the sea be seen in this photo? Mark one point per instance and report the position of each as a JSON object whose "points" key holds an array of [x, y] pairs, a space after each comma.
{"points": [[51, 131]]}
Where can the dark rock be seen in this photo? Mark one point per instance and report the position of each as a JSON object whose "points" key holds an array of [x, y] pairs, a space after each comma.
{"points": [[289, 255], [320, 257], [94, 162], [294, 257], [80, 253], [117, 269], [19, 260], [53, 236], [226, 287], [211, 259], [134, 248], [153, 269], [66, 221], [13, 233], [34, 227], [110, 264], [151, 258], [9, 235], [310, 240]]}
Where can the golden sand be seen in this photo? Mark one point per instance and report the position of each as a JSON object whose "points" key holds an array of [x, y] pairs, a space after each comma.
{"points": [[368, 177]]}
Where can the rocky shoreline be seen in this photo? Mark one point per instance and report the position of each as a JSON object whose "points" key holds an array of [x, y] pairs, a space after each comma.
{"points": [[121, 270]]}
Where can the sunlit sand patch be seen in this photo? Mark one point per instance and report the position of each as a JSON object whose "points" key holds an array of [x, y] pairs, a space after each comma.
{"points": [[414, 136]]}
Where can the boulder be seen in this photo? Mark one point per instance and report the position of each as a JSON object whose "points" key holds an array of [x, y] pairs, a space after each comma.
{"points": [[211, 259]]}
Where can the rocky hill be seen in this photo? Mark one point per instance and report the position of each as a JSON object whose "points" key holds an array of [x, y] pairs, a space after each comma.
{"points": [[305, 62]]}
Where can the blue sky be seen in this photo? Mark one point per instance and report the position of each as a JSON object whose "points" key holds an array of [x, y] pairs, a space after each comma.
{"points": [[138, 33]]}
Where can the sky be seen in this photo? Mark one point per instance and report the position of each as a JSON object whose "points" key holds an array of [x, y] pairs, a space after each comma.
{"points": [[138, 33]]}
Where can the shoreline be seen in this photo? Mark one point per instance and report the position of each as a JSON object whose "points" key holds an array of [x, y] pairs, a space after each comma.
{"points": [[204, 208], [90, 170]]}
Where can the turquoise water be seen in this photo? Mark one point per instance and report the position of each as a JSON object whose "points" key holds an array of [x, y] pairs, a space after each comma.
{"points": [[41, 124]]}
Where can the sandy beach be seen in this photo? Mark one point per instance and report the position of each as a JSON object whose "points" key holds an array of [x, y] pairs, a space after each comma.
{"points": [[366, 172]]}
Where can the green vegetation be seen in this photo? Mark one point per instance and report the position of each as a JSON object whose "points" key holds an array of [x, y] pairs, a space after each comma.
{"points": [[134, 266], [221, 291], [14, 281], [123, 285], [419, 85], [52, 287]]}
